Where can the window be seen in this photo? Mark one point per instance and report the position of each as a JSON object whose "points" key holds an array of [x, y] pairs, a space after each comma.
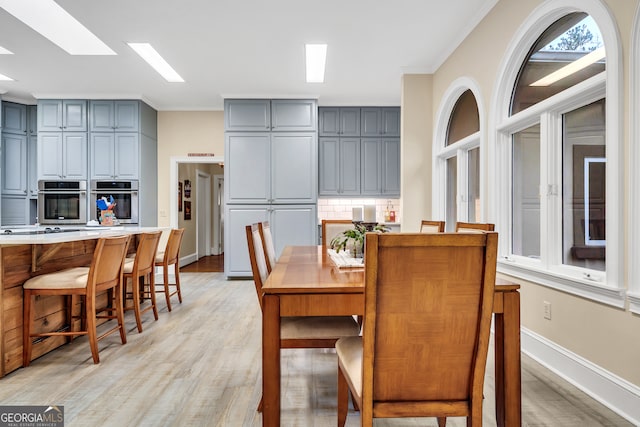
{"points": [[557, 167], [458, 163]]}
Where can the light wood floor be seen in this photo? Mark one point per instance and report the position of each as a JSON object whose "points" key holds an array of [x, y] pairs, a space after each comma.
{"points": [[200, 366]]}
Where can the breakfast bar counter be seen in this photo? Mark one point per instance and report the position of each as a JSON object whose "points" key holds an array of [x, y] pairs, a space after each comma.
{"points": [[29, 252]]}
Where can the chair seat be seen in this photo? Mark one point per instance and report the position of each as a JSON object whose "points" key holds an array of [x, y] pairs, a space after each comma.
{"points": [[349, 350], [71, 278], [318, 327]]}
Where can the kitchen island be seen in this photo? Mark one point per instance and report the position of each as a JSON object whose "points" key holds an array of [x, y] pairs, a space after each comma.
{"points": [[29, 252]]}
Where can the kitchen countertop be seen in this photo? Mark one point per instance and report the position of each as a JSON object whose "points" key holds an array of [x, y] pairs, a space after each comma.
{"points": [[83, 233]]}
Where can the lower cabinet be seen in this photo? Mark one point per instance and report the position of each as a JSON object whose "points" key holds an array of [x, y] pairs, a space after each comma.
{"points": [[15, 210], [290, 225]]}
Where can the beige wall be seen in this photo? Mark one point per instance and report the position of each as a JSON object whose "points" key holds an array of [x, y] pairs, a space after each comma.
{"points": [[606, 336]]}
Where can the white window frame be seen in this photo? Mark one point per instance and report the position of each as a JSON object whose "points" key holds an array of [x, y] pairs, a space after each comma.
{"points": [[634, 172], [606, 287], [460, 149]]}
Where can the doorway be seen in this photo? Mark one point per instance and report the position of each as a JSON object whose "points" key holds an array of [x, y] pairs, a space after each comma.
{"points": [[203, 213]]}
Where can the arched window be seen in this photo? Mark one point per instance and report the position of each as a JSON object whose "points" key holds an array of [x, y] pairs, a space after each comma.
{"points": [[457, 157], [557, 167]]}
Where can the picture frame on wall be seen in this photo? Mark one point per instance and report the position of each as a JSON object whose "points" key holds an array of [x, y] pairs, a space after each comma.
{"points": [[187, 189], [187, 210], [179, 197]]}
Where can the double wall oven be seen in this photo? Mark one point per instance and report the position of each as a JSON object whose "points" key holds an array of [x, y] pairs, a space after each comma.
{"points": [[125, 196], [62, 202]]}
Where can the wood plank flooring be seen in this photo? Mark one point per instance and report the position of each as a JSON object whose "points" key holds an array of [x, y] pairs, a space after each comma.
{"points": [[199, 365], [206, 264]]}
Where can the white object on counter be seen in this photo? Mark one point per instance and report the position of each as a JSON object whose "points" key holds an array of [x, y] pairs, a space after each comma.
{"points": [[370, 213], [356, 213]]}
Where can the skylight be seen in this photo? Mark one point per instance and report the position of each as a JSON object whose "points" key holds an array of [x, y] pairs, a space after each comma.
{"points": [[4, 51], [316, 58], [53, 22], [153, 58]]}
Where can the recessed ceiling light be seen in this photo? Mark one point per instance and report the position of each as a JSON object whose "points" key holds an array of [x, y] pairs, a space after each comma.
{"points": [[5, 78], [316, 58], [4, 51], [572, 67], [149, 54], [53, 22]]}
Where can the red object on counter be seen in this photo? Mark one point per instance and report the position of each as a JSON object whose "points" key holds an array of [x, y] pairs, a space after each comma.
{"points": [[392, 216]]}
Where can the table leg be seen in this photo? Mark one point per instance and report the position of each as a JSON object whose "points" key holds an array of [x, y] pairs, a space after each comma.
{"points": [[270, 360], [507, 362]]}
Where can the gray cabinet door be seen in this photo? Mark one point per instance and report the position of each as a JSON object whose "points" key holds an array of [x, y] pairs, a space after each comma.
{"points": [[14, 118], [390, 122], [293, 225], [329, 163], [236, 259], [101, 116], [74, 155], [32, 166], [349, 166], [49, 115], [126, 156], [370, 121], [390, 171], [49, 155], [343, 122], [68, 115], [293, 115], [126, 116], [102, 155], [371, 176], [248, 171], [329, 121], [15, 210], [349, 122], [32, 120], [294, 161], [247, 115], [14, 164]]}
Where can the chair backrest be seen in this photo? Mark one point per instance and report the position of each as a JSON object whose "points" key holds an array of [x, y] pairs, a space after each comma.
{"points": [[106, 265], [267, 244], [431, 226], [172, 250], [332, 227], [146, 252], [473, 227], [428, 307], [257, 258]]}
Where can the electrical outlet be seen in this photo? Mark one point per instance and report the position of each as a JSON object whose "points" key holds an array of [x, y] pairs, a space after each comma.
{"points": [[547, 310]]}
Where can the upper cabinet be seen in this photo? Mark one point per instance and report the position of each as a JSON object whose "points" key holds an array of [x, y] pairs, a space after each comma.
{"points": [[14, 118], [343, 122], [383, 121], [62, 155], [278, 115], [67, 115], [114, 116]]}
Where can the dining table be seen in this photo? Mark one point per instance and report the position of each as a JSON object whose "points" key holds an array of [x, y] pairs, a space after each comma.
{"points": [[306, 282]]}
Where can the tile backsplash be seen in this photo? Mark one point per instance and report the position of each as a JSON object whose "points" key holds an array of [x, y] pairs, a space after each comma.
{"points": [[341, 208]]}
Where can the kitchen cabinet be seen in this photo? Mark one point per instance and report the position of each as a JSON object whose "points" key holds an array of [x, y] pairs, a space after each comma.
{"points": [[68, 115], [32, 167], [14, 118], [14, 164], [271, 167], [113, 116], [380, 121], [114, 155], [380, 163], [278, 115], [343, 122], [62, 155], [339, 163], [14, 211], [290, 225]]}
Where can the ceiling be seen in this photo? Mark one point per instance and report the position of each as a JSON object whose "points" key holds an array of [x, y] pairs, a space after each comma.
{"points": [[239, 48]]}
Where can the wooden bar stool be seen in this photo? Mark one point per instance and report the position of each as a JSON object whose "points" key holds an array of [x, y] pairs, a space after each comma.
{"points": [[170, 256], [136, 269], [104, 274]]}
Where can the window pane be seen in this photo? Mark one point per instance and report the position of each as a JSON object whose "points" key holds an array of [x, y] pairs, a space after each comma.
{"points": [[584, 197], [452, 182], [570, 51], [465, 119], [525, 239], [473, 209]]}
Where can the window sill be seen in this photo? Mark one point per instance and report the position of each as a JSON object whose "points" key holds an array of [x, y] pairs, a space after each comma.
{"points": [[583, 288]]}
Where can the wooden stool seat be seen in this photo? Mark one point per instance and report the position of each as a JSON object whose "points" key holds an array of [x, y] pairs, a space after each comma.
{"points": [[170, 255], [71, 278]]}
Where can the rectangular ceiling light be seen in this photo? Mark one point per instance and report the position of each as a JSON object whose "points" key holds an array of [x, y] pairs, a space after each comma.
{"points": [[149, 54], [53, 22], [316, 59], [5, 78], [571, 68], [4, 51]]}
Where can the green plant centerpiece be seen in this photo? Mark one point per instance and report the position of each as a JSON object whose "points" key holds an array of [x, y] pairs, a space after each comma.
{"points": [[353, 239]]}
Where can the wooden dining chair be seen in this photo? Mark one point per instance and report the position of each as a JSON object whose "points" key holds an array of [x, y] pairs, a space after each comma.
{"points": [[473, 227], [267, 244], [165, 258], [428, 306], [332, 227], [136, 271], [104, 274], [431, 226], [297, 332]]}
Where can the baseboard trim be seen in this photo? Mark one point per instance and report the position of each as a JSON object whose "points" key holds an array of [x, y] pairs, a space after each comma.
{"points": [[614, 392], [188, 259]]}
